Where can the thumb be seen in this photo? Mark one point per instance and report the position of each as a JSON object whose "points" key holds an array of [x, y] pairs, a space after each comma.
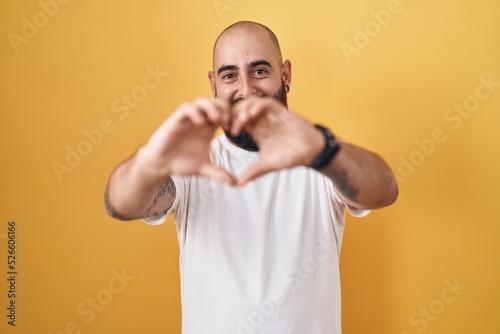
{"points": [[254, 171], [217, 173]]}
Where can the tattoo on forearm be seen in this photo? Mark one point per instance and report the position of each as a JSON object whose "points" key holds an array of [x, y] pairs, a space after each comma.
{"points": [[163, 200], [341, 180], [161, 203]]}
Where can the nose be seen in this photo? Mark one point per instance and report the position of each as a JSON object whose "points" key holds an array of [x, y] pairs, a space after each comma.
{"points": [[246, 88]]}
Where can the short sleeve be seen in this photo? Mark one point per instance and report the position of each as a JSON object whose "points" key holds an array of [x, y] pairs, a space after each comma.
{"points": [[357, 212], [333, 194], [157, 220]]}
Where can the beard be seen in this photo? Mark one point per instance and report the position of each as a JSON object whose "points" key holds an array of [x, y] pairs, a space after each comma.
{"points": [[244, 140]]}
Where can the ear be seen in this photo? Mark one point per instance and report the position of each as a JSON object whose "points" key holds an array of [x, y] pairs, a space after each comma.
{"points": [[286, 72], [211, 77]]}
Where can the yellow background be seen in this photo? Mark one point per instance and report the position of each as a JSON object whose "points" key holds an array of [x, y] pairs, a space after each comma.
{"points": [[393, 92]]}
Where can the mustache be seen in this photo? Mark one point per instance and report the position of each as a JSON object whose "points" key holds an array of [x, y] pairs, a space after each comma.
{"points": [[280, 95], [233, 102]]}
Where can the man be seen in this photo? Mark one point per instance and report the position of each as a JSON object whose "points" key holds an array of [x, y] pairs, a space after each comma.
{"points": [[259, 209]]}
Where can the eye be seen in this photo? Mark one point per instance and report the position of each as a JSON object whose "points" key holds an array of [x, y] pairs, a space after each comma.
{"points": [[228, 76], [260, 71]]}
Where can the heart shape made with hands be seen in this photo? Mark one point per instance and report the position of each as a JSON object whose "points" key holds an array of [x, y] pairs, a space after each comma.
{"points": [[284, 139], [181, 145]]}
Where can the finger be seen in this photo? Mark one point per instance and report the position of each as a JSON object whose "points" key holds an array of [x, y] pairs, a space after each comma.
{"points": [[215, 111], [225, 109], [262, 135], [268, 128], [254, 171], [193, 114], [244, 114], [260, 111], [217, 173]]}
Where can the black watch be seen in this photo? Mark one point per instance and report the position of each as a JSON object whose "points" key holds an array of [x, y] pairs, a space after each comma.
{"points": [[330, 150]]}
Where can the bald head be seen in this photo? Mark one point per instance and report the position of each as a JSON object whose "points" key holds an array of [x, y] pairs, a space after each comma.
{"points": [[249, 27], [247, 62]]}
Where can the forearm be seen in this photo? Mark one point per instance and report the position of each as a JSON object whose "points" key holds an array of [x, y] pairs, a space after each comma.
{"points": [[361, 177], [135, 191]]}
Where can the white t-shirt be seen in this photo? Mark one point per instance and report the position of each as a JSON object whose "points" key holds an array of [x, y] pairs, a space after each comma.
{"points": [[263, 258]]}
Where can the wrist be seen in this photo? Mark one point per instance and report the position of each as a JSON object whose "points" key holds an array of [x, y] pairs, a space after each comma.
{"points": [[329, 151]]}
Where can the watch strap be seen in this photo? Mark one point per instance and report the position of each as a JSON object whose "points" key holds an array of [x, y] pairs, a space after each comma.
{"points": [[331, 149]]}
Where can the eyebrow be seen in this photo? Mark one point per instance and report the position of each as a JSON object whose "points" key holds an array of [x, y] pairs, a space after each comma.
{"points": [[251, 65], [260, 63], [226, 68]]}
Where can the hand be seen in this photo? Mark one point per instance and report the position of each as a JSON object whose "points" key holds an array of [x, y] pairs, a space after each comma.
{"points": [[181, 145], [285, 140]]}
